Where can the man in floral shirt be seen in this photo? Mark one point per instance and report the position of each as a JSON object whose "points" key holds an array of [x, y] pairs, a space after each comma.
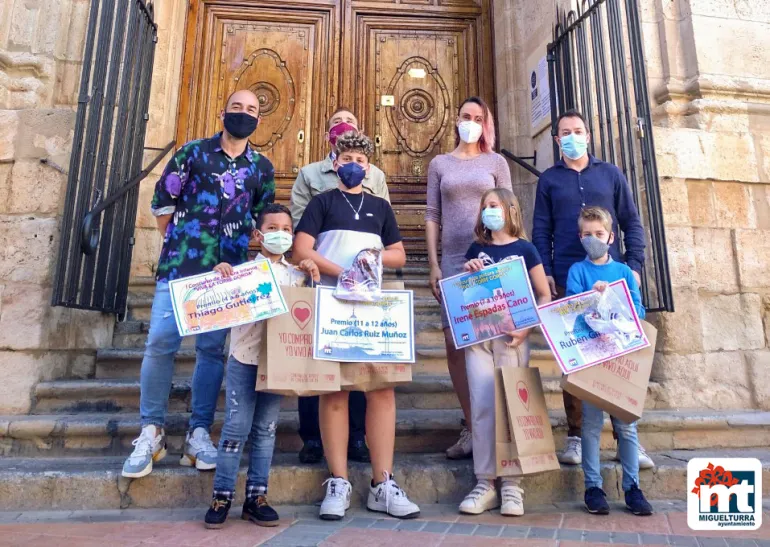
{"points": [[205, 204]]}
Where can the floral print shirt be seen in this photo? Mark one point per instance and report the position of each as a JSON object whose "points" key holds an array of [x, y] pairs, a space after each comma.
{"points": [[215, 201]]}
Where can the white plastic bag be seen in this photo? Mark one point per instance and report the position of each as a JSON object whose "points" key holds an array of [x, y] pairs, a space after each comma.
{"points": [[362, 281], [612, 320]]}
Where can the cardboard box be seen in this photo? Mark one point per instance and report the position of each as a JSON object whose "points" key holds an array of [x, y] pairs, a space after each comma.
{"points": [[619, 386]]}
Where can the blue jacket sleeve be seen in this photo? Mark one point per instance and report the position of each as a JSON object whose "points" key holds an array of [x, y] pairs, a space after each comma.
{"points": [[636, 294], [630, 224], [542, 226], [575, 284]]}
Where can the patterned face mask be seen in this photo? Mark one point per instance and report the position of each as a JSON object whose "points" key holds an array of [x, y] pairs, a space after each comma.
{"points": [[595, 247]]}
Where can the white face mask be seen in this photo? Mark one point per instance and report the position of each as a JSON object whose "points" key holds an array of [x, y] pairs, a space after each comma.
{"points": [[277, 242], [470, 132]]}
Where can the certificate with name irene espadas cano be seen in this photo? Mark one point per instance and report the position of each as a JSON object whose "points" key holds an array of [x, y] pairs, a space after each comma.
{"points": [[209, 302]]}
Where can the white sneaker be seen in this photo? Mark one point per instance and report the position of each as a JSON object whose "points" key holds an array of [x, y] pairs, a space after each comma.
{"points": [[387, 497], [573, 452], [463, 448], [199, 451], [480, 499], [337, 499], [645, 461], [513, 500], [150, 447]]}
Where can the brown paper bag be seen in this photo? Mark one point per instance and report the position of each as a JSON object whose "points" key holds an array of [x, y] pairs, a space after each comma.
{"points": [[374, 376], [286, 365], [524, 440], [618, 386]]}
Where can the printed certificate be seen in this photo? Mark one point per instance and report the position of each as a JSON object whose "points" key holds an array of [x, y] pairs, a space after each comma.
{"points": [[209, 302], [589, 328], [489, 303], [364, 332]]}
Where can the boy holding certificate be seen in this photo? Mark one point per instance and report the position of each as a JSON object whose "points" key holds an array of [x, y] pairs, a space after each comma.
{"points": [[334, 228], [596, 272], [246, 410]]}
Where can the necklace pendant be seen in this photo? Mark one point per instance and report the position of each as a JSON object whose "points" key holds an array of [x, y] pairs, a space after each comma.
{"points": [[357, 217]]}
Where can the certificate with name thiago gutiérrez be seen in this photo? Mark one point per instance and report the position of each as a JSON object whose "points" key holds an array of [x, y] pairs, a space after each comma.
{"points": [[209, 302], [364, 332], [489, 303]]}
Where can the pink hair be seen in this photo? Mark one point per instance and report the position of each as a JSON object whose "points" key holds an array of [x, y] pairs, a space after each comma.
{"points": [[487, 140]]}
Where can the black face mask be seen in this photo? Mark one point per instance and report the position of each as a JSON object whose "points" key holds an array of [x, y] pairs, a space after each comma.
{"points": [[239, 124]]}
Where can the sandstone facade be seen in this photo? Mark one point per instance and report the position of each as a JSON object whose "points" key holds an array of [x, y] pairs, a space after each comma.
{"points": [[711, 125]]}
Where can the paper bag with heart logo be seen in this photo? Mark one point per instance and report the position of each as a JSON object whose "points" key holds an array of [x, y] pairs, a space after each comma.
{"points": [[286, 365], [524, 439]]}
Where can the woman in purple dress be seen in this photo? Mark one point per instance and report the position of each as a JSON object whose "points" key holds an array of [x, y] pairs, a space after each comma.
{"points": [[456, 182]]}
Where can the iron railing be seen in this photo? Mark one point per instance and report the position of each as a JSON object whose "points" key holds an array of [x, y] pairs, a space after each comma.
{"points": [[596, 65], [107, 156]]}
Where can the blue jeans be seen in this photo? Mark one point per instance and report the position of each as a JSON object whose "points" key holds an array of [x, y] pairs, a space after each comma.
{"points": [[246, 411], [163, 342], [628, 447]]}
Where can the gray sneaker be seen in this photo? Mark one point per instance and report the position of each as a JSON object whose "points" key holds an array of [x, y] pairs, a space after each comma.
{"points": [[463, 448], [199, 451], [150, 447]]}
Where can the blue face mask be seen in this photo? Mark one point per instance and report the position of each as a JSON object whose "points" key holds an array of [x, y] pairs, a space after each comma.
{"points": [[493, 219], [574, 146], [351, 174]]}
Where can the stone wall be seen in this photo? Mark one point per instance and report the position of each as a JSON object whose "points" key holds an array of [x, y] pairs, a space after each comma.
{"points": [[40, 55], [711, 117]]}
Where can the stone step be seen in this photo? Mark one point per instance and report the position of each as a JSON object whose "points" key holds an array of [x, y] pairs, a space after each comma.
{"points": [[122, 395], [417, 430], [95, 483], [430, 359]]}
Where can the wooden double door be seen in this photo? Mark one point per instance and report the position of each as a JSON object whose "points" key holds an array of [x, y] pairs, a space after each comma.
{"points": [[402, 66]]}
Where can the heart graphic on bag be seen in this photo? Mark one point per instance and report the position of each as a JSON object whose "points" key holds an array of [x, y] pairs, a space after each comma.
{"points": [[523, 391], [301, 313]]}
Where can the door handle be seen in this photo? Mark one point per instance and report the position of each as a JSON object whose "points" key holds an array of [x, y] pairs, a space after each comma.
{"points": [[301, 136]]}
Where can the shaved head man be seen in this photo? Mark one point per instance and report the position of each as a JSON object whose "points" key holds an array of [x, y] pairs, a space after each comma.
{"points": [[206, 204]]}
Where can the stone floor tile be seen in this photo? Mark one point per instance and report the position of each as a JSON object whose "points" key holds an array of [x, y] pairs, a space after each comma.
{"points": [[683, 541], [8, 516], [592, 537], [385, 524], [411, 525], [488, 530], [515, 532], [740, 542], [44, 516], [360, 522], [711, 542], [541, 533], [353, 537], [569, 534], [436, 527], [653, 539], [629, 538], [462, 529]]}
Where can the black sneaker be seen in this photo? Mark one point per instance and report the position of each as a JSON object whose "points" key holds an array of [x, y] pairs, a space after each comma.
{"points": [[312, 452], [217, 513], [358, 451], [596, 501], [259, 512], [636, 502]]}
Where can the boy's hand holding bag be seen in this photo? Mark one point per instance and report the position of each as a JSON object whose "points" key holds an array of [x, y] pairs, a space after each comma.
{"points": [[524, 439], [286, 366]]}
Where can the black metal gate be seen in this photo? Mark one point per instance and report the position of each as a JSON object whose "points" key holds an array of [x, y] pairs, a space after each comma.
{"points": [[97, 232], [596, 65]]}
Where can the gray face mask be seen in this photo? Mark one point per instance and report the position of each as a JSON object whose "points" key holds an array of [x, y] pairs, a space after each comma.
{"points": [[595, 247]]}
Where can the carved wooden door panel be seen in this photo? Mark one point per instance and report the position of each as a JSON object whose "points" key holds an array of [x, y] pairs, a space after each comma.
{"points": [[284, 56]]}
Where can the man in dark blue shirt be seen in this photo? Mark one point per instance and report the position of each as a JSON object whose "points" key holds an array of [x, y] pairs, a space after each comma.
{"points": [[576, 181]]}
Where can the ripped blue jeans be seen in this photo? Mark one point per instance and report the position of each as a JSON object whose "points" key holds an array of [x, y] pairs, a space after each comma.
{"points": [[163, 342], [246, 412]]}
